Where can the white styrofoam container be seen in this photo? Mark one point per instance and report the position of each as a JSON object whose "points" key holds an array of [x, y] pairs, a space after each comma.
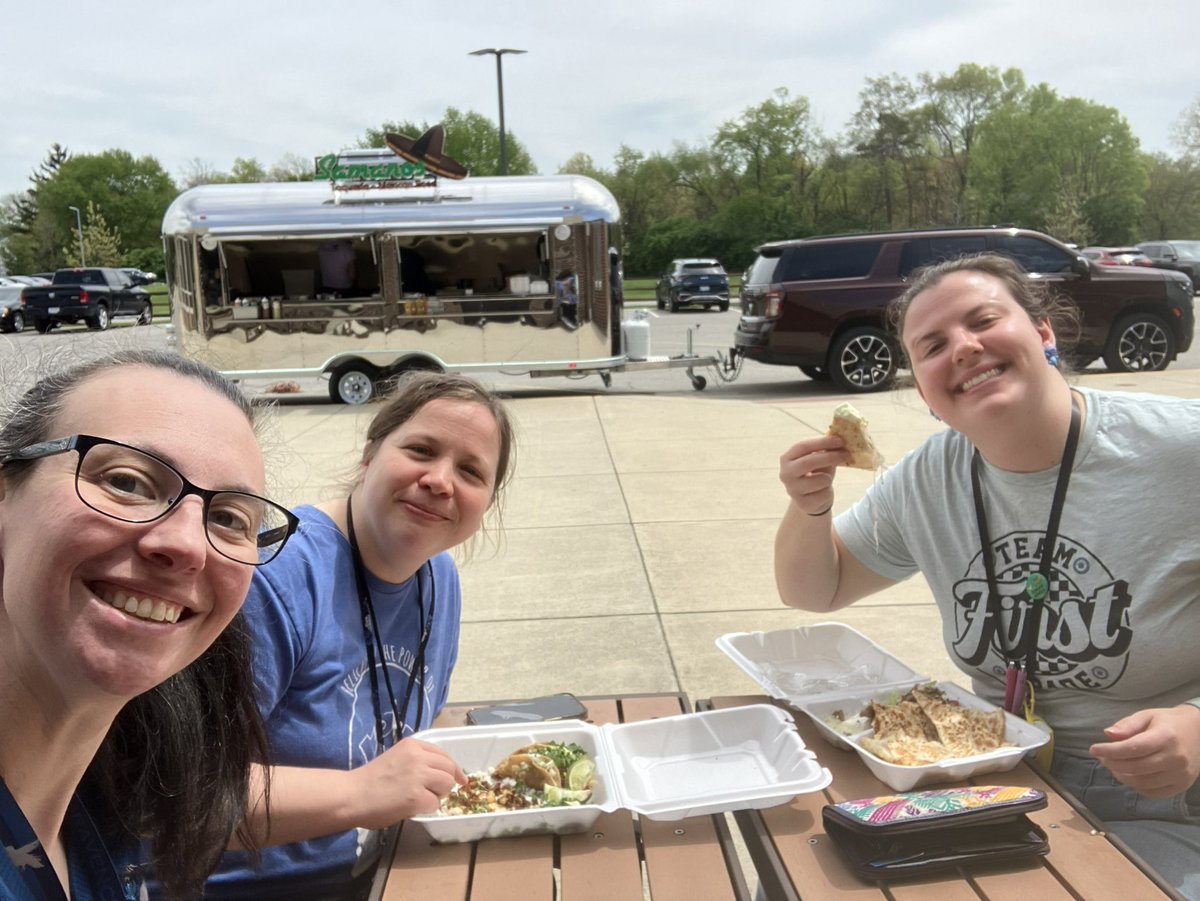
{"points": [[811, 662], [665, 769], [1025, 737]]}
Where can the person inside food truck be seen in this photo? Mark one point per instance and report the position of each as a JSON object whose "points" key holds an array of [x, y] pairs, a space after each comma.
{"points": [[337, 267]]}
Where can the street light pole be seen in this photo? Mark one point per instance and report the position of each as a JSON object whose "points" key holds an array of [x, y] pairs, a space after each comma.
{"points": [[79, 227], [499, 52]]}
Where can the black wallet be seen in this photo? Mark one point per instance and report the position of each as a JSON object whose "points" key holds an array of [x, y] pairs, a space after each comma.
{"points": [[914, 833]]}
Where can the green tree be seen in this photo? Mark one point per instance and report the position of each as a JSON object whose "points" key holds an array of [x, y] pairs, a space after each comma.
{"points": [[471, 138], [1187, 128], [247, 170], [956, 108], [889, 131], [101, 243], [771, 145], [1033, 150], [27, 233], [131, 193], [1172, 200]]}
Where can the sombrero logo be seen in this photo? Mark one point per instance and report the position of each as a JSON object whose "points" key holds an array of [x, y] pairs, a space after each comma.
{"points": [[421, 162], [1085, 632]]}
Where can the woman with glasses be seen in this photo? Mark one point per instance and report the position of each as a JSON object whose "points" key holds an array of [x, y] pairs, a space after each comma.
{"points": [[356, 633], [125, 683]]}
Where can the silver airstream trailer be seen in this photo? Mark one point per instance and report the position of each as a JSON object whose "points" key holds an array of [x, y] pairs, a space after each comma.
{"points": [[363, 279]]}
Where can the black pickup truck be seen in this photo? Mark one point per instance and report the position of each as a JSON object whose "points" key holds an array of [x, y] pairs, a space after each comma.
{"points": [[93, 296]]}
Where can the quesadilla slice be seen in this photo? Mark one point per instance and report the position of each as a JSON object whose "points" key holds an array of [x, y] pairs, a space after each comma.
{"points": [[850, 425]]}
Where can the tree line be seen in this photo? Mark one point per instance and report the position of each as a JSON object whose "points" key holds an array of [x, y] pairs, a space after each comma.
{"points": [[975, 146]]}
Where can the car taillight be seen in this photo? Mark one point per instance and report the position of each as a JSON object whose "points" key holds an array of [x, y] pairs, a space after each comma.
{"points": [[773, 301], [83, 295], [23, 300]]}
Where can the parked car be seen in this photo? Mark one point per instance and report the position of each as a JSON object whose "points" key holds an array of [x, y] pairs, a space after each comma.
{"points": [[1182, 256], [1117, 256], [820, 303], [93, 296], [693, 283], [12, 314]]}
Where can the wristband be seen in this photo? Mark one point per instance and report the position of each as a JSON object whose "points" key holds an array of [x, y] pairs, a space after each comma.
{"points": [[823, 512]]}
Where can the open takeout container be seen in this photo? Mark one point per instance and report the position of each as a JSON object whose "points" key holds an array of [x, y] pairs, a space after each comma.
{"points": [[665, 769], [1025, 737], [808, 663]]}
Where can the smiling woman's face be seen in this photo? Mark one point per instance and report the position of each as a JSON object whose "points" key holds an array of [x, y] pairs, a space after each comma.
{"points": [[68, 573], [425, 487], [973, 349]]}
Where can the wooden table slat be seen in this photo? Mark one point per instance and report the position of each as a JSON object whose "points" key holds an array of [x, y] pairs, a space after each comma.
{"points": [[603, 862], [421, 870], [520, 868]]}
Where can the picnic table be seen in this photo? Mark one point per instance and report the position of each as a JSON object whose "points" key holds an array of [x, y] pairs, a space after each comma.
{"points": [[621, 857], [795, 859]]}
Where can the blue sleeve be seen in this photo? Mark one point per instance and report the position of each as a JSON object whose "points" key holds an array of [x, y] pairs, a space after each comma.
{"points": [[278, 643]]}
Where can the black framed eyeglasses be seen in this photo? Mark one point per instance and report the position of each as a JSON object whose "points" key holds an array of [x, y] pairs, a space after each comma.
{"points": [[134, 485]]}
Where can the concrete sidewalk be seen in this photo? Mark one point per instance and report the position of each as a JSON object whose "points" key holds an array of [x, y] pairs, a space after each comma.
{"points": [[639, 529]]}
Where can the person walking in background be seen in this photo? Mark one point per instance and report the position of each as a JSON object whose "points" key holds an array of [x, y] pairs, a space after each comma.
{"points": [[356, 635], [1038, 520], [126, 711]]}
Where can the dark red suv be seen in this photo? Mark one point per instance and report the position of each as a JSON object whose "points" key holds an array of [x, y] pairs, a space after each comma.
{"points": [[820, 303]]}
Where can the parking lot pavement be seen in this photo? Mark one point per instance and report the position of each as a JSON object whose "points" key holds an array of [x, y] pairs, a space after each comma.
{"points": [[639, 529]]}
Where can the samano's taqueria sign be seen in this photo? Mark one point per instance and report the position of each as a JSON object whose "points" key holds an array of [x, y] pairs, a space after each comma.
{"points": [[406, 162]]}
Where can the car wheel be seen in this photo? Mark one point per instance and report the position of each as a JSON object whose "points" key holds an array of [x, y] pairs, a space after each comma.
{"points": [[673, 305], [16, 322], [863, 359], [43, 326], [146, 316], [724, 307], [816, 373], [353, 383], [1139, 343], [99, 321]]}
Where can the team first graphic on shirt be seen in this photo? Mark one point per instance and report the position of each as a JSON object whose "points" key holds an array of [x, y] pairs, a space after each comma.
{"points": [[1085, 632]]}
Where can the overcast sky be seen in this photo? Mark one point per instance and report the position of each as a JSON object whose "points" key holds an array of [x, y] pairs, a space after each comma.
{"points": [[215, 79]]}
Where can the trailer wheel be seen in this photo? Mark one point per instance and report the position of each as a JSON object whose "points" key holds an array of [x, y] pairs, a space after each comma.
{"points": [[353, 383], [699, 382]]}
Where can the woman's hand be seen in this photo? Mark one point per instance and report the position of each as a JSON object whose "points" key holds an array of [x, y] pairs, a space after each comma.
{"points": [[408, 779], [806, 470], [1155, 751]]}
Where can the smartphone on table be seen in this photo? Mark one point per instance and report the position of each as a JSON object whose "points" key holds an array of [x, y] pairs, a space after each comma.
{"points": [[563, 706]]}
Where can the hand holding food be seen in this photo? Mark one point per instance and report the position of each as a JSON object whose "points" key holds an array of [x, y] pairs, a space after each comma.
{"points": [[410, 778], [543, 774], [851, 426], [1156, 751]]}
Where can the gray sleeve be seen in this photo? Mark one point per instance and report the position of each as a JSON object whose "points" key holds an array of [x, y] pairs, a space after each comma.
{"points": [[873, 529]]}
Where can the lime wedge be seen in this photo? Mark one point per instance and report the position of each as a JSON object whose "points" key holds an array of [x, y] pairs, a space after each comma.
{"points": [[581, 774], [557, 797]]}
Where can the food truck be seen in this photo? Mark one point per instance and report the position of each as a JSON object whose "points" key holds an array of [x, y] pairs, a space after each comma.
{"points": [[377, 266]]}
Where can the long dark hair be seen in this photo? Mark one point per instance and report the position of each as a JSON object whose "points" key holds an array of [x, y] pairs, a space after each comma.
{"points": [[174, 769]]}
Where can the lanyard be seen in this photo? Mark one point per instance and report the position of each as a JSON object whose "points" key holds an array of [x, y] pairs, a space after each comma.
{"points": [[374, 643], [1021, 658], [26, 853]]}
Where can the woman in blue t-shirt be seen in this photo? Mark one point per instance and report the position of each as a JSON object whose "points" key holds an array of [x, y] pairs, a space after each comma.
{"points": [[126, 706], [356, 634]]}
